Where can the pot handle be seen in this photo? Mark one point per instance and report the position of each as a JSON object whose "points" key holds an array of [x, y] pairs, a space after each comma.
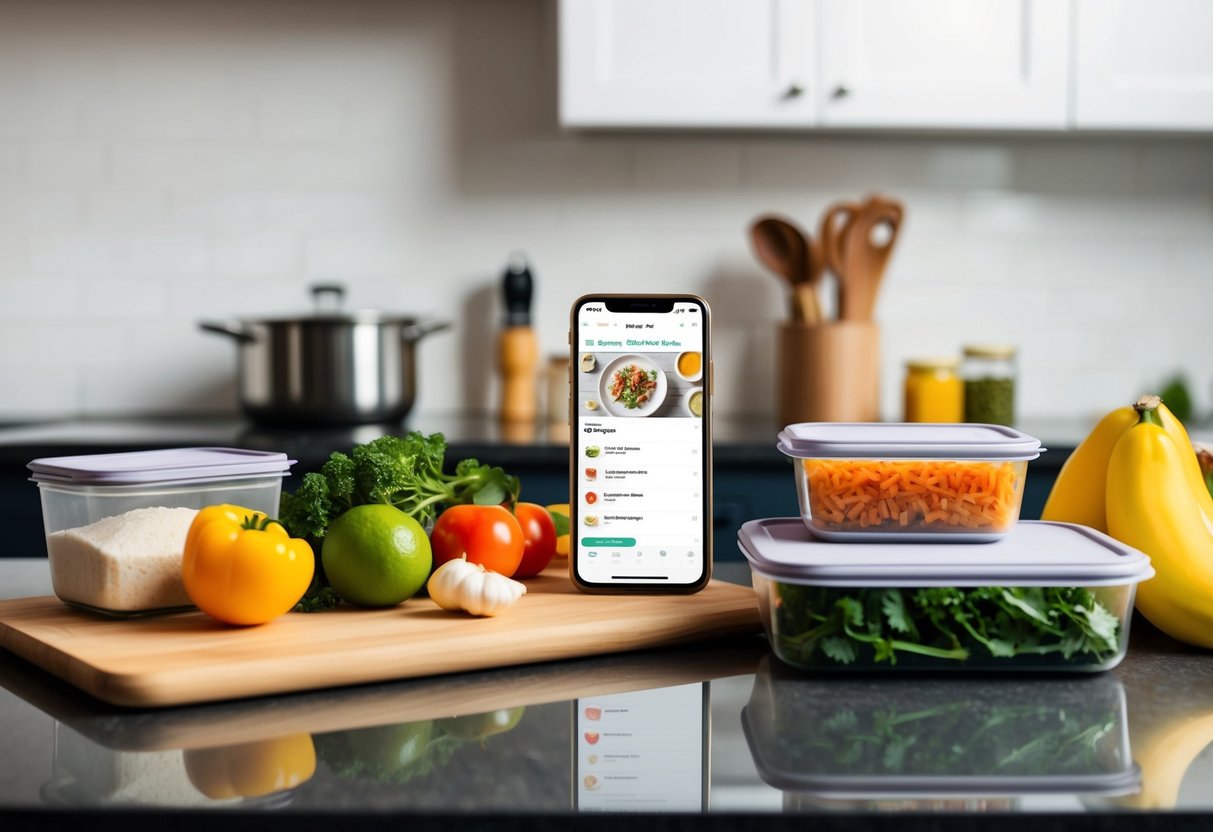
{"points": [[235, 330], [414, 332]]}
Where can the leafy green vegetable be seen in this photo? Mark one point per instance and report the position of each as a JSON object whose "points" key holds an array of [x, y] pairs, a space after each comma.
{"points": [[945, 625], [402, 471]]}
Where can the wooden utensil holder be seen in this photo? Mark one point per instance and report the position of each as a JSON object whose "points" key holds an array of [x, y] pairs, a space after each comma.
{"points": [[828, 373]]}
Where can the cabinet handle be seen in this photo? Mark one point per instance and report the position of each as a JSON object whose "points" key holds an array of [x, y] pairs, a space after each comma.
{"points": [[794, 91], [840, 91]]}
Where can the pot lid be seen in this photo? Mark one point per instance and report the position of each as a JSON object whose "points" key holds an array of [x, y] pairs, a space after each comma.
{"points": [[328, 302], [1033, 553], [169, 465], [906, 440]]}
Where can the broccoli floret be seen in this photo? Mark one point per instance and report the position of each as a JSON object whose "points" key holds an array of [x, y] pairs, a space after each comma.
{"points": [[402, 471]]}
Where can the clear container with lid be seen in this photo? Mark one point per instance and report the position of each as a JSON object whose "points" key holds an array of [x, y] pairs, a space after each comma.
{"points": [[933, 390], [126, 567], [989, 375], [1048, 597], [871, 481]]}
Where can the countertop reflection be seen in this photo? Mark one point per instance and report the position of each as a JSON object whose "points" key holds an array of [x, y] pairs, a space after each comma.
{"points": [[720, 728]]}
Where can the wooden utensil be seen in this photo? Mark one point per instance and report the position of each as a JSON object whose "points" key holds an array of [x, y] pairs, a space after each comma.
{"points": [[784, 249], [835, 225], [866, 259]]}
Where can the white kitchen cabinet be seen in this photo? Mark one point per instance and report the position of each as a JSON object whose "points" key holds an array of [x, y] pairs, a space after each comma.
{"points": [[1143, 65], [687, 63], [814, 63], [944, 63]]}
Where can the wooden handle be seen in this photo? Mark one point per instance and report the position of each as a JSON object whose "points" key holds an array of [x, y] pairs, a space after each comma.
{"points": [[519, 361]]}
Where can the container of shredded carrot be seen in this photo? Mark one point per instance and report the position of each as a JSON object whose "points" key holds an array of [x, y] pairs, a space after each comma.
{"points": [[923, 482]]}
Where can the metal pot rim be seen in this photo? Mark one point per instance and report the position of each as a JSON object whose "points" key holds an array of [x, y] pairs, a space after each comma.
{"points": [[355, 316]]}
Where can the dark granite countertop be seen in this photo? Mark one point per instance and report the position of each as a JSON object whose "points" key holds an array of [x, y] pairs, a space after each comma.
{"points": [[413, 755]]}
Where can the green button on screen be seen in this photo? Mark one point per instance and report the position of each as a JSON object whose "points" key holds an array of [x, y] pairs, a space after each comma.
{"points": [[608, 541]]}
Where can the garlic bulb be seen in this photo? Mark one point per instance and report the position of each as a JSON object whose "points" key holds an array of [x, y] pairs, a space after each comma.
{"points": [[459, 585]]}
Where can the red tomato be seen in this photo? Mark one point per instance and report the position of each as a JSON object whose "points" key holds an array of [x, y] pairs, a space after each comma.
{"points": [[539, 536], [488, 535]]}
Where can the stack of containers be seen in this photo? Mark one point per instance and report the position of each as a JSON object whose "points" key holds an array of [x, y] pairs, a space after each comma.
{"points": [[909, 554]]}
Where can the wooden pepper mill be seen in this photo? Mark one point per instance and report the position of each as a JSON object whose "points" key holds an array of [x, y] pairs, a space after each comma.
{"points": [[518, 348]]}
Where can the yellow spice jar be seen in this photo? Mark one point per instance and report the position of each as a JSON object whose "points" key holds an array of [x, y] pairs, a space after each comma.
{"points": [[933, 390]]}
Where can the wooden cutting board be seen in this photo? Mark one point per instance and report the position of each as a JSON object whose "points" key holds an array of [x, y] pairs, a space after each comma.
{"points": [[189, 657]]}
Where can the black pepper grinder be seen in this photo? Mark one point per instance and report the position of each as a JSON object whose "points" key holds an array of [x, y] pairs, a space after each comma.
{"points": [[518, 348]]}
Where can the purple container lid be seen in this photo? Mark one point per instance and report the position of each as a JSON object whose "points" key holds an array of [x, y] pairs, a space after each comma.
{"points": [[906, 440], [1034, 553], [170, 465]]}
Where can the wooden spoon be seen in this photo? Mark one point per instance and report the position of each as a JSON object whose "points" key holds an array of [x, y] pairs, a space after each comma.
{"points": [[784, 249]]}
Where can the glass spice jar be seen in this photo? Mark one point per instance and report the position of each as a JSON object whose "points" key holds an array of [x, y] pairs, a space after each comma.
{"points": [[933, 390], [989, 384]]}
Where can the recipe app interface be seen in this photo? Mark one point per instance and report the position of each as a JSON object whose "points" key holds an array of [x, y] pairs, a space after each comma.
{"points": [[640, 450], [642, 751]]}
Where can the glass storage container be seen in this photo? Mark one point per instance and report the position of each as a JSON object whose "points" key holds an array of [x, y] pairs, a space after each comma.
{"points": [[1048, 597], [870, 481], [129, 569]]}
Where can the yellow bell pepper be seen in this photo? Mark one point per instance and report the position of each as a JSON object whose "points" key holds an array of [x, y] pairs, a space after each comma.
{"points": [[252, 769], [241, 567]]}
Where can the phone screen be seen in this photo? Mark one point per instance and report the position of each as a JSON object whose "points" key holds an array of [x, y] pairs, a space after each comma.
{"points": [[645, 751], [641, 448]]}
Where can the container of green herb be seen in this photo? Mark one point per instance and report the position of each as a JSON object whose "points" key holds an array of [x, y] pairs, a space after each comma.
{"points": [[1046, 597]]}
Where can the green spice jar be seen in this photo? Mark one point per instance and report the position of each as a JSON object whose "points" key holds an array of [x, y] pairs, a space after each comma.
{"points": [[989, 384]]}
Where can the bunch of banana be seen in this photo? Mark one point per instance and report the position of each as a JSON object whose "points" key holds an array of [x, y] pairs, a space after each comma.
{"points": [[1137, 478]]}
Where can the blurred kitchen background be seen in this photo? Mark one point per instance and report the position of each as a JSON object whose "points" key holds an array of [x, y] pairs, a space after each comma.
{"points": [[166, 162]]}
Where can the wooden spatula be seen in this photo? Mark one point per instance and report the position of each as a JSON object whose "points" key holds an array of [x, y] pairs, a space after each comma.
{"points": [[866, 259]]}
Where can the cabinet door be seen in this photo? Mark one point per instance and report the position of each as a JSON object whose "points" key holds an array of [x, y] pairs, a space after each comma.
{"points": [[686, 63], [1144, 65], [944, 63]]}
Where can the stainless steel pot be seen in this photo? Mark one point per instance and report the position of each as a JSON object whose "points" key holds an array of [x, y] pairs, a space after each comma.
{"points": [[330, 368]]}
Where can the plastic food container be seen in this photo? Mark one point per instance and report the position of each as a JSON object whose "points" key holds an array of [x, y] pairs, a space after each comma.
{"points": [[1047, 597], [926, 740], [871, 481], [125, 577]]}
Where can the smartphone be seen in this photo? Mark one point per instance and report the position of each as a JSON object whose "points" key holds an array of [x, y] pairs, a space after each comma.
{"points": [[644, 751], [640, 507]]}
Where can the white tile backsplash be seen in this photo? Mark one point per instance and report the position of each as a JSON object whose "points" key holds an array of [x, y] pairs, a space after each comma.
{"points": [[166, 163]]}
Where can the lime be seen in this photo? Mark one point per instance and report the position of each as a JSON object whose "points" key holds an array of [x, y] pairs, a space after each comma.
{"points": [[376, 556]]}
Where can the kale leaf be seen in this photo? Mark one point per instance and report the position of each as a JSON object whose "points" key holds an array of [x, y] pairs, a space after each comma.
{"points": [[818, 626]]}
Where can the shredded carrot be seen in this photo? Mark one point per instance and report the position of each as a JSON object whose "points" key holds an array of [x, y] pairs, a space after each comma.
{"points": [[847, 494]]}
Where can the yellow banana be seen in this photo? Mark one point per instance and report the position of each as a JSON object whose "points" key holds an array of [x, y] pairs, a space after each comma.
{"points": [[1152, 506], [1079, 494]]}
